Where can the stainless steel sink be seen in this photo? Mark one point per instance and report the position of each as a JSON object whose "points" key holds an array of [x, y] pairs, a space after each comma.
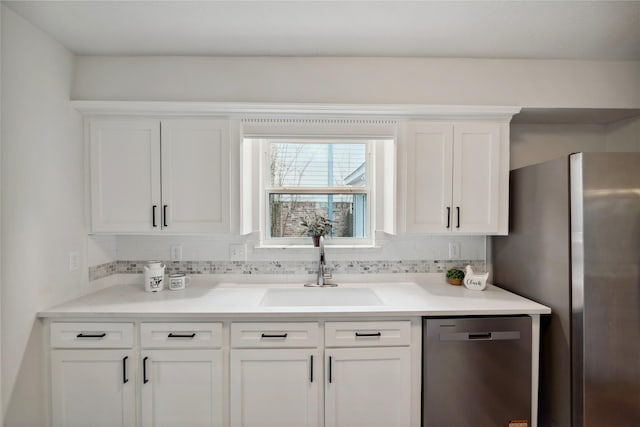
{"points": [[300, 297]]}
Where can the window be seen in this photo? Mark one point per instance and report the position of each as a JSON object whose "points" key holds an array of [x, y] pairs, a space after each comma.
{"points": [[317, 177], [341, 169]]}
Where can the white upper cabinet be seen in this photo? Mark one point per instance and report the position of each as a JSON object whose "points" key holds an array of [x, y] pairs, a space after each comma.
{"points": [[457, 177], [125, 174], [153, 176], [195, 171]]}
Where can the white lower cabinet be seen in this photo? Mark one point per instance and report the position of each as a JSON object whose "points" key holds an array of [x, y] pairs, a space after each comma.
{"points": [[367, 383], [93, 388], [275, 387], [181, 382], [368, 387], [98, 377], [93, 375], [277, 374], [181, 388]]}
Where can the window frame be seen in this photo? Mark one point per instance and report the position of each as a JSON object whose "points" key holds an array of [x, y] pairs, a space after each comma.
{"points": [[384, 133], [268, 189]]}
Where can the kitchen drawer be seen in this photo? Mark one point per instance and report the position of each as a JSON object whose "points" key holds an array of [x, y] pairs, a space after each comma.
{"points": [[91, 335], [367, 334], [181, 335], [274, 335]]}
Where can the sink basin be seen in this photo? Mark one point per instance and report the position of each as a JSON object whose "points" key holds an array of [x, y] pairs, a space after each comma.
{"points": [[301, 297]]}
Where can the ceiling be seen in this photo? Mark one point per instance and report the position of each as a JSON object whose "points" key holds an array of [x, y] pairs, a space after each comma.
{"points": [[593, 30]]}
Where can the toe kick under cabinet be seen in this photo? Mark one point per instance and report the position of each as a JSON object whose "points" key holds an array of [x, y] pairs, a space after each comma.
{"points": [[302, 373]]}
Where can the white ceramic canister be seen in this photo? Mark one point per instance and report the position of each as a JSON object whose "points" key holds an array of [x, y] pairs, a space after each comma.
{"points": [[154, 276], [178, 281]]}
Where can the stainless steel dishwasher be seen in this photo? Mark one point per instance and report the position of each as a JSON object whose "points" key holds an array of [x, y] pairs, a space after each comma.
{"points": [[476, 372]]}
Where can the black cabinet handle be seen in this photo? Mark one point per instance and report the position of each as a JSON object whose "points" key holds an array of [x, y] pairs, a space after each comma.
{"points": [[368, 334], [124, 370], [164, 215], [281, 336], [458, 209], [330, 370], [99, 336], [172, 335], [448, 216], [144, 371], [311, 369], [153, 215]]}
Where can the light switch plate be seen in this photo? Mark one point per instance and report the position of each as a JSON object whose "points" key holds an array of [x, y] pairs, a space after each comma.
{"points": [[454, 250], [176, 252], [238, 252], [74, 260]]}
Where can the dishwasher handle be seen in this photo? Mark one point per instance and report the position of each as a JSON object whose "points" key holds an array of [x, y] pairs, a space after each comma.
{"points": [[480, 336]]}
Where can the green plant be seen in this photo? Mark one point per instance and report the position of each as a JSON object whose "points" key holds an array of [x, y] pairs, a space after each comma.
{"points": [[316, 225], [455, 273]]}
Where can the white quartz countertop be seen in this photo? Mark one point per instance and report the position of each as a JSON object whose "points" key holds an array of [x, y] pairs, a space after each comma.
{"points": [[233, 300]]}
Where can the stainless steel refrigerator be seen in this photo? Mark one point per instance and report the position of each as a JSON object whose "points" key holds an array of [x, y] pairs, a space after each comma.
{"points": [[574, 245]]}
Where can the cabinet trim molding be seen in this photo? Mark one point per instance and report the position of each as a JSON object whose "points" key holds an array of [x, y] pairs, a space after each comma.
{"points": [[445, 112]]}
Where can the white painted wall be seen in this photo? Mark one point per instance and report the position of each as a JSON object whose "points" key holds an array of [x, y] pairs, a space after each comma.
{"points": [[101, 249], [624, 135], [537, 143], [43, 202], [527, 83]]}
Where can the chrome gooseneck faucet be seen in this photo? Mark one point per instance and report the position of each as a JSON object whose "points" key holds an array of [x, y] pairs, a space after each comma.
{"points": [[321, 264], [323, 276]]}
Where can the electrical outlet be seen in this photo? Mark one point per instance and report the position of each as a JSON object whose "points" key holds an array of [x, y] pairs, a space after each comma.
{"points": [[238, 252], [454, 250], [74, 261], [176, 252]]}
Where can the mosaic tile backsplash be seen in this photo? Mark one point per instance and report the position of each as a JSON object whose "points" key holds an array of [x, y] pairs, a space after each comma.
{"points": [[285, 267]]}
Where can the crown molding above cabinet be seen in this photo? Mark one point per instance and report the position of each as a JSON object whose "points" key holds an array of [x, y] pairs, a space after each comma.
{"points": [[423, 111]]}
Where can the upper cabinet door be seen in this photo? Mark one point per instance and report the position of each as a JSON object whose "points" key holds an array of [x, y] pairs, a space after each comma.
{"points": [[429, 177], [195, 175], [476, 173], [125, 175], [457, 177]]}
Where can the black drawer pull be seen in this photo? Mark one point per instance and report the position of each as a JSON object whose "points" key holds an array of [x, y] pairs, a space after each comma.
{"points": [[330, 370], [99, 336], [281, 336], [458, 210], [368, 334], [124, 370], [190, 336], [448, 216], [144, 371], [311, 369]]}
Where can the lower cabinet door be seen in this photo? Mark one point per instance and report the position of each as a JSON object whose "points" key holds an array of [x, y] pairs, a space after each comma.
{"points": [[275, 388], [368, 387], [93, 388], [181, 388]]}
